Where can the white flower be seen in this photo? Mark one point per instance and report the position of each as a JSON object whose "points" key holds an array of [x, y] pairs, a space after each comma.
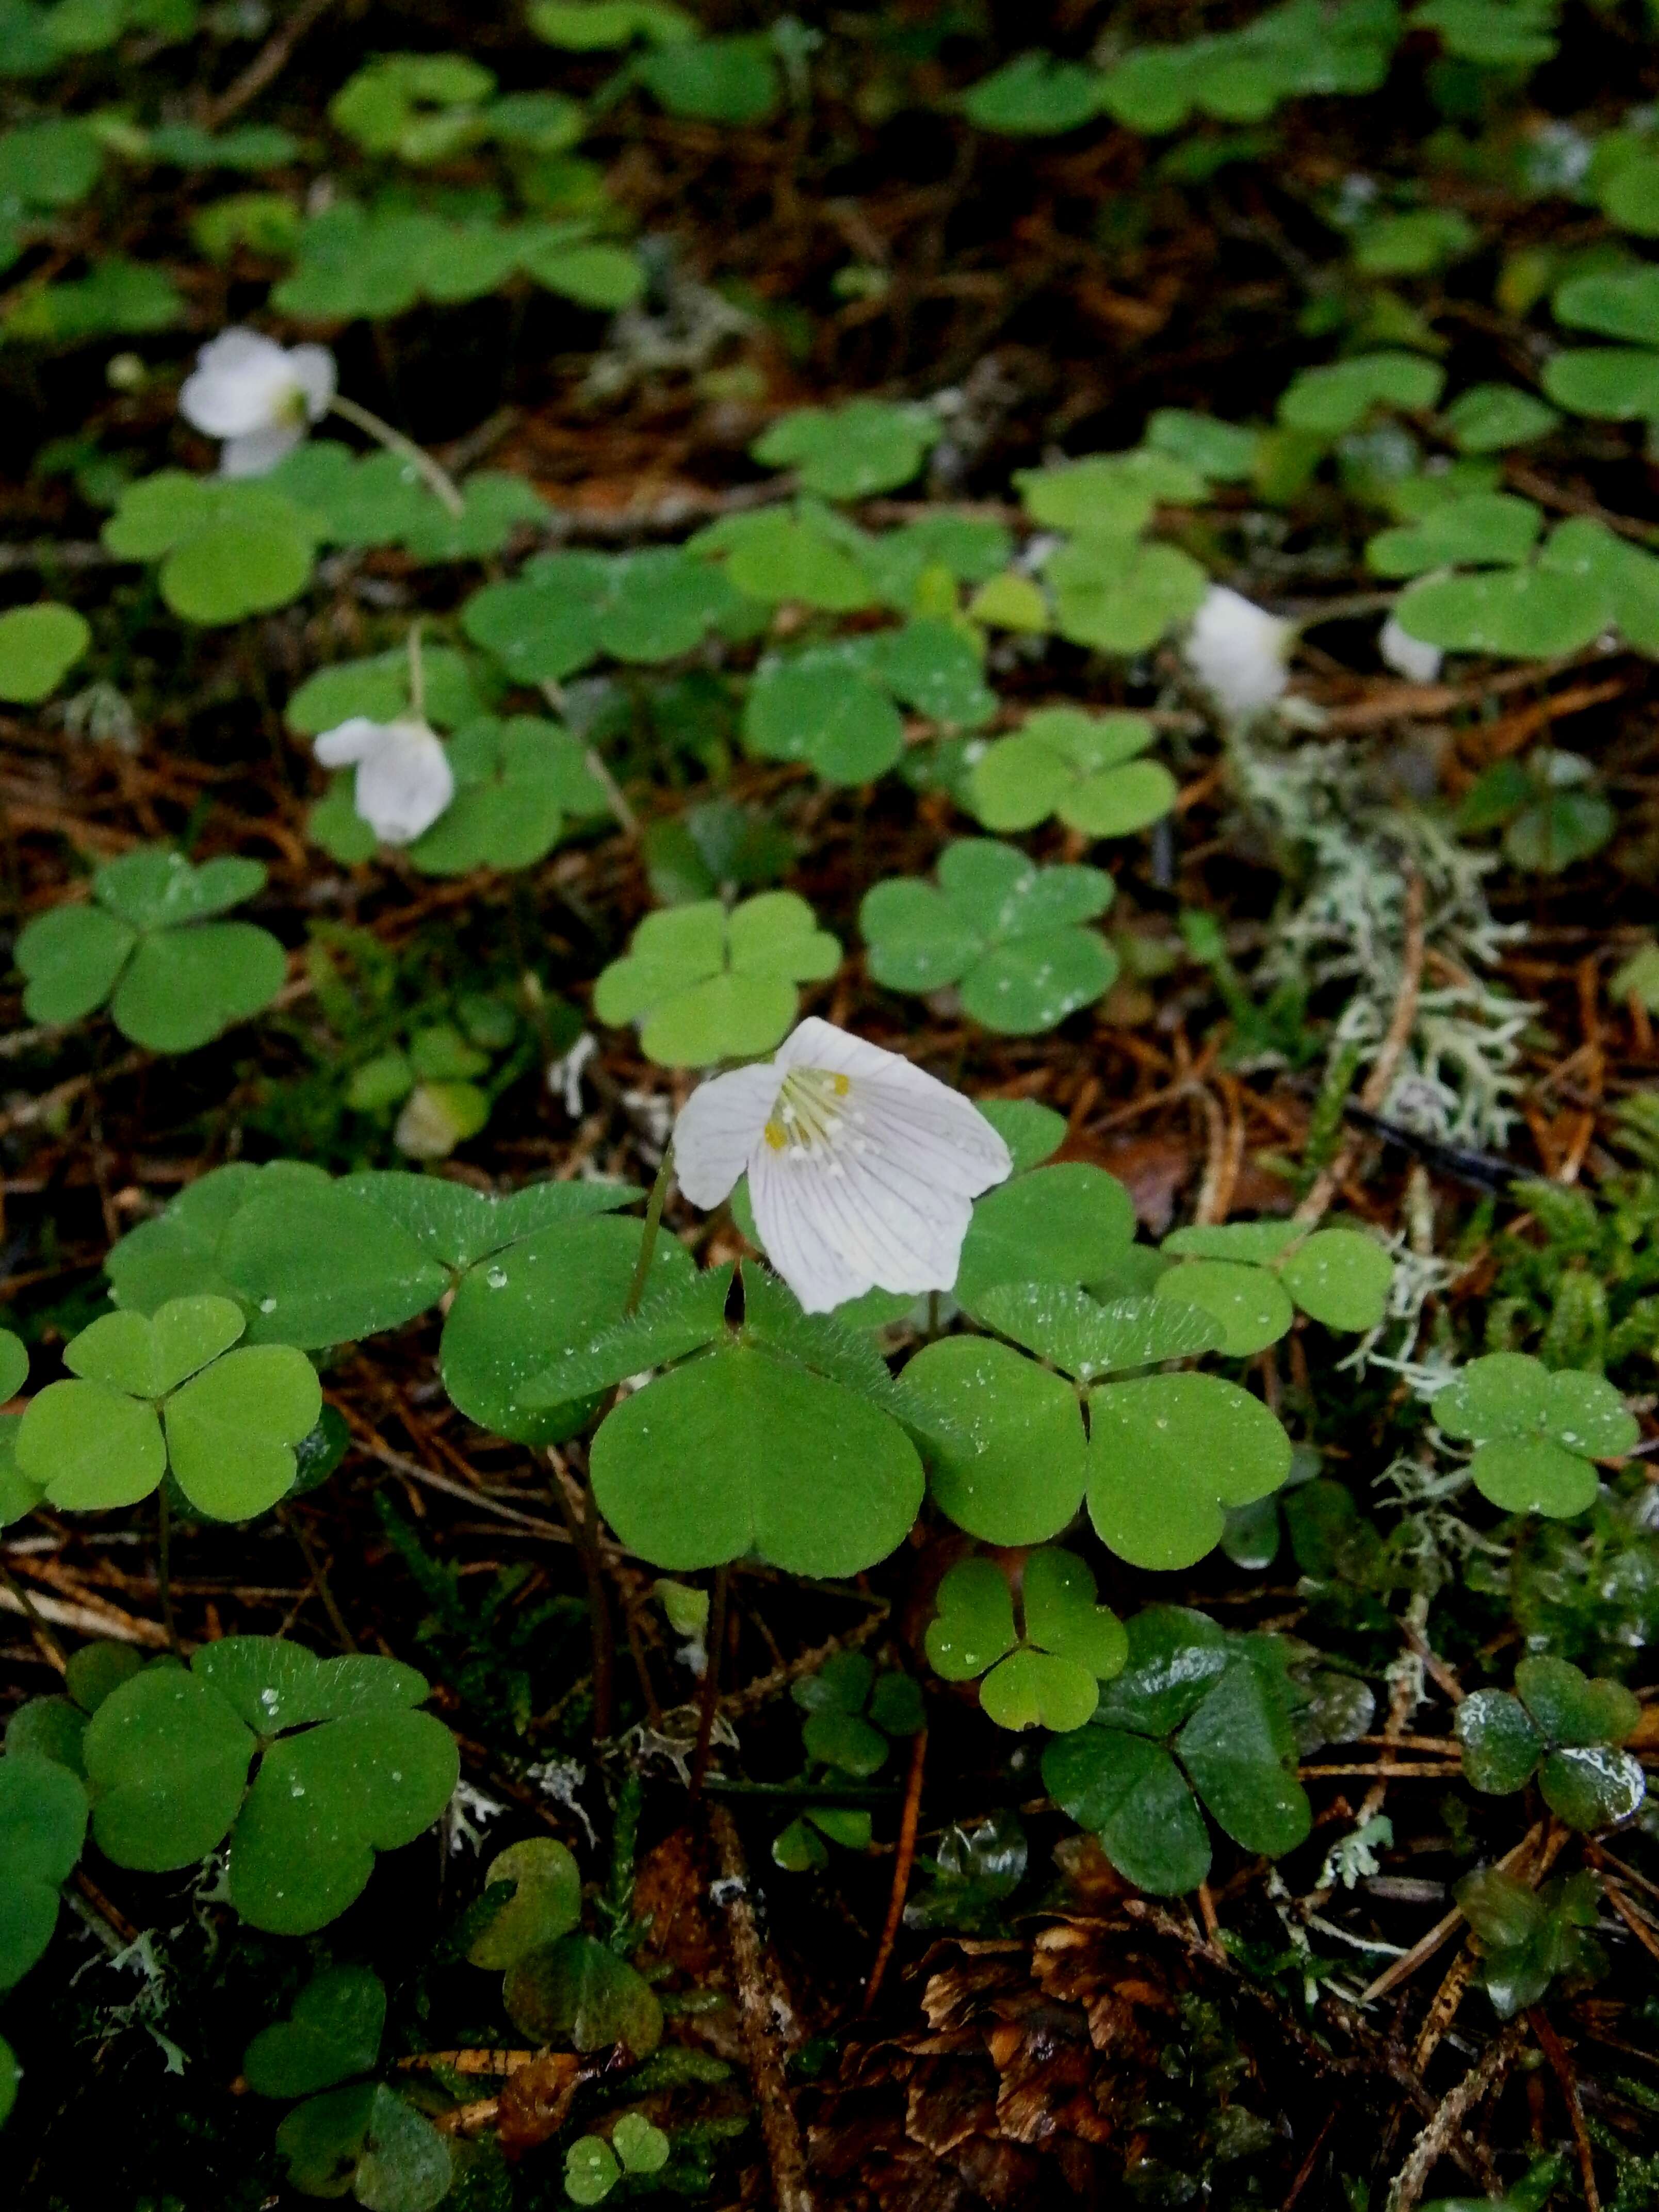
{"points": [[1407, 655], [404, 780], [1238, 652], [259, 397], [862, 1170]]}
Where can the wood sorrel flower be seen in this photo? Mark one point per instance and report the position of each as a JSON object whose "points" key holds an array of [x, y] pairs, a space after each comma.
{"points": [[259, 397], [404, 781], [1238, 651], [1407, 655], [862, 1170]]}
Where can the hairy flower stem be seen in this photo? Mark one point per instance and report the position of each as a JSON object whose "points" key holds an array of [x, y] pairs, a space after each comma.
{"points": [[653, 1206], [709, 1701], [437, 478]]}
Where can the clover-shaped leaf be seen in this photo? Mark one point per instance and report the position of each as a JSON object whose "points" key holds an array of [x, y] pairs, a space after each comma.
{"points": [[1013, 1471], [227, 549], [377, 689], [835, 1732], [851, 452], [1490, 418], [1535, 1434], [1523, 613], [807, 554], [1168, 1456], [1193, 1713], [1086, 768], [147, 942], [167, 1756], [458, 1226], [13, 1365], [43, 1824], [1247, 1275], [546, 1902], [1050, 1675], [168, 1390], [1526, 1939], [738, 1452], [38, 645], [825, 706], [1118, 595], [1007, 931], [1067, 1223], [1566, 1729], [1484, 529], [1033, 95], [367, 2140], [1329, 401], [332, 2034], [706, 985], [1107, 496]]}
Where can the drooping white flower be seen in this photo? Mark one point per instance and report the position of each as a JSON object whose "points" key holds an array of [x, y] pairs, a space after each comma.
{"points": [[1238, 652], [862, 1169], [259, 397], [1407, 655], [404, 780]]}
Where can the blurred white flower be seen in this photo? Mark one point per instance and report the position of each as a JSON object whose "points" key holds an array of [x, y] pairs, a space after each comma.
{"points": [[404, 780], [1407, 655], [1238, 652], [259, 397], [862, 1169]]}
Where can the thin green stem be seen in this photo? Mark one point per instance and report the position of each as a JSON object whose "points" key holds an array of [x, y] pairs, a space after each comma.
{"points": [[437, 478], [653, 1206], [709, 1703], [627, 821], [164, 1564], [416, 673]]}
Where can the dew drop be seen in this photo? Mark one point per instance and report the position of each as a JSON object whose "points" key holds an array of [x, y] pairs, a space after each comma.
{"points": [[496, 1278], [267, 1305]]}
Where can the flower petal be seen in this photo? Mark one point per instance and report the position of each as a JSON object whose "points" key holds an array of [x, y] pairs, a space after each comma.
{"points": [[932, 1130], [404, 783], [850, 1218], [241, 382], [313, 370], [719, 1128], [1238, 651], [258, 452], [348, 742]]}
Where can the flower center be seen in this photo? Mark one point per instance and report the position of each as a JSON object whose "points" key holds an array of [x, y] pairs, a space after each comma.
{"points": [[807, 1110]]}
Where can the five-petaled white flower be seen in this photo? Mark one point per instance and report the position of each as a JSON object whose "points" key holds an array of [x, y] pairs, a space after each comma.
{"points": [[862, 1169], [1238, 652], [404, 780], [259, 397], [1407, 655]]}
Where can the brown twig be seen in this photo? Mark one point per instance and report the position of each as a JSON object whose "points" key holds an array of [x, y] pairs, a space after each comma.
{"points": [[266, 66], [902, 1863], [581, 1518], [1437, 2139], [768, 2018], [1562, 2067], [1401, 1970]]}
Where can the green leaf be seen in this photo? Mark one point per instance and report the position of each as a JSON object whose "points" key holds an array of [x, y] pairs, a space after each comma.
{"points": [[1572, 1709], [844, 1741], [1629, 197], [1593, 1787], [43, 1825], [1168, 1454], [273, 1684], [1501, 1748], [1132, 1794], [49, 1728], [1239, 1750], [13, 1365], [1062, 1616], [705, 985], [1033, 95], [149, 1356], [49, 165], [736, 1452], [1412, 244], [1341, 1276], [324, 1802], [377, 689], [1068, 1224], [38, 645], [974, 1625], [1016, 1477], [115, 297], [231, 1432], [935, 667], [560, 1288], [590, 2171], [1223, 451], [1614, 303], [1491, 418], [1086, 1339], [1531, 1475], [1119, 596], [1176, 1656], [1031, 1132], [1485, 530], [1508, 1393], [405, 2164], [183, 988], [1627, 577], [333, 2032], [321, 2140], [851, 452], [579, 1991], [641, 2148], [546, 1902], [1109, 495], [719, 80], [71, 957], [1034, 1689], [458, 1226], [1519, 614], [586, 26], [681, 1321], [1250, 1307], [320, 1266], [156, 888], [1619, 383], [89, 1448], [776, 556], [818, 707], [167, 1762], [1255, 1244], [1082, 768], [1327, 402]]}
